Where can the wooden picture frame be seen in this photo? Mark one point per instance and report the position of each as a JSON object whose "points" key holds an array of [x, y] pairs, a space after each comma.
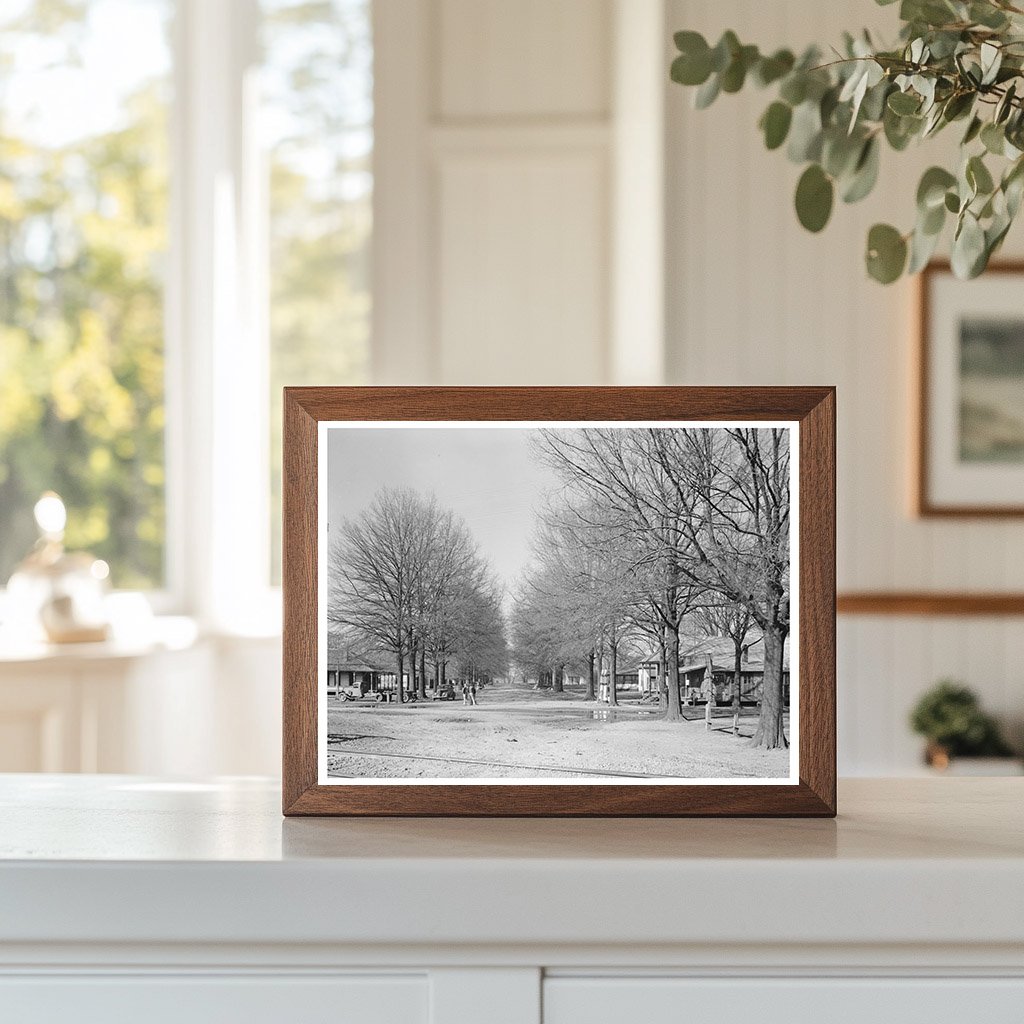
{"points": [[941, 489], [808, 413]]}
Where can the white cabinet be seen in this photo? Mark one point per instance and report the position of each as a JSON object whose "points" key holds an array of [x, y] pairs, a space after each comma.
{"points": [[828, 1000], [132, 899], [100, 707], [202, 999], [173, 704]]}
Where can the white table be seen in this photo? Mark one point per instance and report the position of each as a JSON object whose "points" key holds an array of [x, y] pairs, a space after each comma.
{"points": [[124, 898]]}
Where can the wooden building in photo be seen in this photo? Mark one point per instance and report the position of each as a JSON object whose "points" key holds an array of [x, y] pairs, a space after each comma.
{"points": [[693, 673], [348, 671]]}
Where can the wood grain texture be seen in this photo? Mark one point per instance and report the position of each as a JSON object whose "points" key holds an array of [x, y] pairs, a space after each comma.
{"points": [[812, 407], [924, 603], [299, 593], [924, 506], [817, 574]]}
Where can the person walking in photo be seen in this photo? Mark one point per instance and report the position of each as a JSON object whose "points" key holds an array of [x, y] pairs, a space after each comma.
{"points": [[472, 692], [465, 692]]}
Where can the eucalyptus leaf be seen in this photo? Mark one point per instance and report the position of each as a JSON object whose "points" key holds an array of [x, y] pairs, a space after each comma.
{"points": [[931, 222], [931, 190], [922, 248], [814, 196], [957, 106], [735, 74], [904, 103], [771, 69], [993, 138], [1005, 105], [987, 15], [775, 124], [925, 87], [865, 174], [933, 122], [886, 253], [978, 176], [805, 133], [794, 88], [708, 92], [873, 106], [973, 130], [1014, 192], [900, 130], [968, 254], [827, 106], [690, 71], [929, 12], [991, 60], [1013, 186], [693, 65], [944, 44], [724, 51], [840, 152]]}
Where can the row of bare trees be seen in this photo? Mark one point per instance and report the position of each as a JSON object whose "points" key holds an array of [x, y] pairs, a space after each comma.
{"points": [[407, 580], [655, 528]]}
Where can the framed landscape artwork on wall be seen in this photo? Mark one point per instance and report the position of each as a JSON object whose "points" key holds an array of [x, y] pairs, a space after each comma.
{"points": [[970, 445], [559, 601]]}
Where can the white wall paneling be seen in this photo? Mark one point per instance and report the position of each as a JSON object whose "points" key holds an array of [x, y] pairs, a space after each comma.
{"points": [[522, 281], [513, 168], [638, 181], [751, 298], [403, 349]]}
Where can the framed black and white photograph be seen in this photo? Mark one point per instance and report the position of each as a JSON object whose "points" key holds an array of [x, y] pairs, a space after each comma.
{"points": [[525, 602], [970, 452]]}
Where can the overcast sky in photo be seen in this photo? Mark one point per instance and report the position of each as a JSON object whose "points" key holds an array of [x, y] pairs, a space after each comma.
{"points": [[486, 475]]}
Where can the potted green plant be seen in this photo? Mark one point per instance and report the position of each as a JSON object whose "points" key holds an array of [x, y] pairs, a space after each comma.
{"points": [[955, 62], [950, 718]]}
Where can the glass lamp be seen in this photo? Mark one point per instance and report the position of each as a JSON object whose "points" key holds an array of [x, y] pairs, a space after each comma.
{"points": [[56, 595]]}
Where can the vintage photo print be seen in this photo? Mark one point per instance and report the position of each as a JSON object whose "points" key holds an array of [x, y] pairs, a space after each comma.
{"points": [[552, 603]]}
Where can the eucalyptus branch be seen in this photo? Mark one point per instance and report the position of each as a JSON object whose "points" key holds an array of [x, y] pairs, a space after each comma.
{"points": [[956, 61]]}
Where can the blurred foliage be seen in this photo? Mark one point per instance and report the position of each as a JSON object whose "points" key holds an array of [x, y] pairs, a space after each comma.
{"points": [[82, 232], [949, 715], [957, 61]]}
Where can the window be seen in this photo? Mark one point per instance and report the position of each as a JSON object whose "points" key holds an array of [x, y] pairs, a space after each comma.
{"points": [[83, 235], [317, 88], [185, 221]]}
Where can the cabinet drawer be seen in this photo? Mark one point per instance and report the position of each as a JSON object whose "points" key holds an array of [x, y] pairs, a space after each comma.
{"points": [[660, 1000], [202, 999]]}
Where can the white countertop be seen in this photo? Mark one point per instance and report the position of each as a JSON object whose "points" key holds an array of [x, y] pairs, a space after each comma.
{"points": [[122, 859]]}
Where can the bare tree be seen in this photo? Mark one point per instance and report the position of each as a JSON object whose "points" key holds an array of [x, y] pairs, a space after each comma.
{"points": [[629, 506], [740, 531], [693, 511], [575, 605], [407, 578]]}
